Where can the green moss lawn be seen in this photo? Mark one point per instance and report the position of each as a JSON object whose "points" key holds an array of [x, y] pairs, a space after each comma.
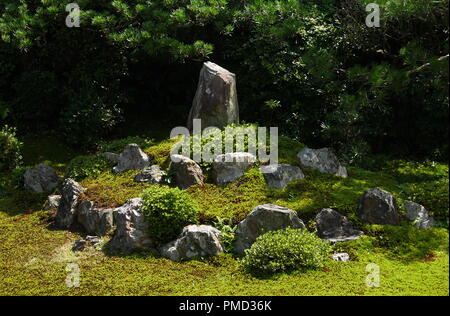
{"points": [[33, 257]]}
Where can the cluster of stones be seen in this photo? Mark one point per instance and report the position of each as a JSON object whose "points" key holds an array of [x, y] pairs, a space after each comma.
{"points": [[216, 104]]}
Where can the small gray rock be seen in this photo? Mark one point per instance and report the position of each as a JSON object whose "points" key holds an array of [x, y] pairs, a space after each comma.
{"points": [[322, 159], [52, 202], [187, 171], [377, 206], [262, 219], [153, 174], [419, 215], [67, 208], [343, 256], [95, 221], [132, 158], [40, 179], [231, 166], [194, 241], [131, 228], [278, 176], [335, 227]]}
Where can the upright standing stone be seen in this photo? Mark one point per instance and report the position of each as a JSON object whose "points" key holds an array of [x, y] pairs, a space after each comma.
{"points": [[131, 228], [215, 101], [67, 208]]}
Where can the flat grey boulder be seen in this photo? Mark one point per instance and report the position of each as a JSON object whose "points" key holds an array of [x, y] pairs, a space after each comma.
{"points": [[262, 219], [322, 159], [342, 256], [194, 241], [231, 166], [278, 176], [377, 206], [335, 227], [95, 221], [215, 101], [131, 228], [153, 174], [52, 202], [187, 172], [132, 158], [40, 179], [67, 208], [418, 214]]}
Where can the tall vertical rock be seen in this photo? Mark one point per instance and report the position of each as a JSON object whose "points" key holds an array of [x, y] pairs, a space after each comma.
{"points": [[215, 101]]}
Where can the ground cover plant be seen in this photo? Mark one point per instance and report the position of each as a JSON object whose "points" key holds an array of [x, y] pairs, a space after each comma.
{"points": [[73, 98], [33, 254]]}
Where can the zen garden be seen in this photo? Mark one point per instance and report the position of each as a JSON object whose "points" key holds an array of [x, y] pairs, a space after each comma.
{"points": [[224, 148]]}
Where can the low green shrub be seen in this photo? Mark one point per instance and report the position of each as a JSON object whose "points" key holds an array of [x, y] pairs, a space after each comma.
{"points": [[82, 167], [168, 210], [284, 250], [10, 149]]}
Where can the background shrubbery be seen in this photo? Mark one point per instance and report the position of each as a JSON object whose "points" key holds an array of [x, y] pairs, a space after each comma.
{"points": [[311, 67], [10, 149]]}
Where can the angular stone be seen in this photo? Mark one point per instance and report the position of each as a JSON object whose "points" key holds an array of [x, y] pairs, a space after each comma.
{"points": [[262, 219], [187, 171], [132, 158], [231, 166], [335, 227], [194, 241], [215, 101], [278, 176], [40, 179], [343, 256], [52, 202], [131, 228], [322, 159], [377, 206], [153, 174], [418, 214], [95, 221], [66, 212]]}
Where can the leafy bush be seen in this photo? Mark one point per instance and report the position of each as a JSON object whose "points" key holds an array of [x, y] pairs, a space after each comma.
{"points": [[285, 250], [168, 210], [228, 230], [10, 149], [82, 167]]}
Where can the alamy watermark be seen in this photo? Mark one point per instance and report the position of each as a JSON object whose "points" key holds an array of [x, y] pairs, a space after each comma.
{"points": [[373, 18], [73, 278], [373, 278], [73, 18], [204, 145]]}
